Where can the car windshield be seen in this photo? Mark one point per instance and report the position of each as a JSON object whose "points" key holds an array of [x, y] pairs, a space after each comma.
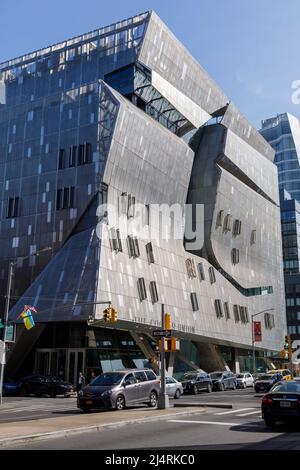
{"points": [[239, 376], [110, 378], [189, 376], [266, 377], [216, 375], [54, 379], [287, 387]]}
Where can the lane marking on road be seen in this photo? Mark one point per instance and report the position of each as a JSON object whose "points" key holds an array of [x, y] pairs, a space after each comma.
{"points": [[251, 413], [232, 411], [219, 423]]}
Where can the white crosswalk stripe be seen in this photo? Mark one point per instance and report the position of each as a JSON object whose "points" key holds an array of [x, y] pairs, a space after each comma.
{"points": [[251, 413], [232, 411]]}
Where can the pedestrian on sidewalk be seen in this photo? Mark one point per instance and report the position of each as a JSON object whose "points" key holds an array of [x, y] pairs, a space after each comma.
{"points": [[80, 382]]}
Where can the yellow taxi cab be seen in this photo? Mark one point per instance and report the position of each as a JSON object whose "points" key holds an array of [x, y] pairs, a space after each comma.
{"points": [[286, 373]]}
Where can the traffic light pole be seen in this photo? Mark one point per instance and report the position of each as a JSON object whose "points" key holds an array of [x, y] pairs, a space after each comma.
{"points": [[163, 399], [7, 303]]}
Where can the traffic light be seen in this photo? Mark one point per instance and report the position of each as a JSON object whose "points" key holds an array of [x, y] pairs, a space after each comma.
{"points": [[171, 344], [286, 342], [168, 323], [113, 314], [106, 315], [110, 315], [288, 346]]}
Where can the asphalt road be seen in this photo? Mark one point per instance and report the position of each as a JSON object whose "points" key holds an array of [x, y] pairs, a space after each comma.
{"points": [[27, 408], [238, 428]]}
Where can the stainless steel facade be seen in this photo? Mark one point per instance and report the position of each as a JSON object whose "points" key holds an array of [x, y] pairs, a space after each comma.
{"points": [[104, 117]]}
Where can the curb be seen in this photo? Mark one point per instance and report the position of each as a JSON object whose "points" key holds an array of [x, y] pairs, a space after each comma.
{"points": [[204, 405], [96, 427]]}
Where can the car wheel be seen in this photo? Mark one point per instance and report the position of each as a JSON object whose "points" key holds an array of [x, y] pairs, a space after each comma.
{"points": [[222, 387], [209, 388], [53, 395], [153, 400], [177, 393], [120, 402], [270, 422]]}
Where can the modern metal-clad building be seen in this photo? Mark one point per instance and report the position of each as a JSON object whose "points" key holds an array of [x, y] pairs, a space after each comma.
{"points": [[138, 183]]}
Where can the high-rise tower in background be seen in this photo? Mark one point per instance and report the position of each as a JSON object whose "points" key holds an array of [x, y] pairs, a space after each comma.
{"points": [[283, 134]]}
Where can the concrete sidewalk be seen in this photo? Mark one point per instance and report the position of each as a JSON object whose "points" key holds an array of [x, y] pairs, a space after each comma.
{"points": [[23, 431]]}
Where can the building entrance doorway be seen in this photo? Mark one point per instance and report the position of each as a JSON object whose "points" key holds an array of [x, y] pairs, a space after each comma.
{"points": [[46, 361], [75, 364]]}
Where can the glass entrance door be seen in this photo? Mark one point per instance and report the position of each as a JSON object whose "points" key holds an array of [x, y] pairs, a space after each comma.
{"points": [[46, 361], [76, 364]]}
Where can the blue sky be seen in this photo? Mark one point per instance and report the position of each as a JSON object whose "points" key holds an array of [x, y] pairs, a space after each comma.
{"points": [[250, 48]]}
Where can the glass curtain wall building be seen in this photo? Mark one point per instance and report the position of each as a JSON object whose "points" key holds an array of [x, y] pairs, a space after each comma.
{"points": [[290, 222], [283, 134], [93, 140]]}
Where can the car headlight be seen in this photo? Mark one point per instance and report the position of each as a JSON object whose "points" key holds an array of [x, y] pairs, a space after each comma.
{"points": [[106, 394]]}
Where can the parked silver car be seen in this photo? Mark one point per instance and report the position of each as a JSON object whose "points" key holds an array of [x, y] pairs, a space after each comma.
{"points": [[173, 388], [120, 388], [244, 380]]}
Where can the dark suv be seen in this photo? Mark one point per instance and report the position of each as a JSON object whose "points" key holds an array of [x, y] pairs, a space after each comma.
{"points": [[194, 382], [40, 385], [120, 388], [223, 380]]}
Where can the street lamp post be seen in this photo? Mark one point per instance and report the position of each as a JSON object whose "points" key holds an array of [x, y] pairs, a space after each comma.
{"points": [[7, 304], [253, 335]]}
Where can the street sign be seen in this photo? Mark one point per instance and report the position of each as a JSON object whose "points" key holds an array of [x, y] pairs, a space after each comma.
{"points": [[2, 352], [162, 333], [10, 334]]}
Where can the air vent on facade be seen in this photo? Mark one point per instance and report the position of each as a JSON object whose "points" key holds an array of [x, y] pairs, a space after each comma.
{"points": [[235, 256], [153, 292], [131, 206], [244, 314], [133, 246], [65, 198], [269, 321], [194, 301], [218, 308], [236, 313], [212, 276], [201, 272], [220, 219], [190, 267], [253, 237], [149, 250], [227, 310], [141, 289], [13, 207], [115, 239], [227, 223], [237, 226]]}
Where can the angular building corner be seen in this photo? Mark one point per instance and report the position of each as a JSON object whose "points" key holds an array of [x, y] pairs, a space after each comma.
{"points": [[104, 131]]}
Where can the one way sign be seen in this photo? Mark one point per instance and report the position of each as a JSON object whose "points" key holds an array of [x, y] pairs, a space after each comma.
{"points": [[162, 333]]}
